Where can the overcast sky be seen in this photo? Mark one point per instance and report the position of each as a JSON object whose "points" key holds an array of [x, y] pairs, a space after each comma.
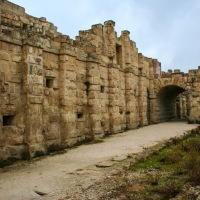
{"points": [[168, 30]]}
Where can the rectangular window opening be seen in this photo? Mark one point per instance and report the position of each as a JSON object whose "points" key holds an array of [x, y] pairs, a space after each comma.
{"points": [[119, 54], [8, 120], [79, 115], [139, 71], [49, 83], [102, 88]]}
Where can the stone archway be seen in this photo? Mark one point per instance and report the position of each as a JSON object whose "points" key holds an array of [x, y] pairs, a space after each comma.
{"points": [[167, 102]]}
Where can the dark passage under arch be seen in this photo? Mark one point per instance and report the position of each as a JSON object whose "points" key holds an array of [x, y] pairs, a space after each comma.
{"points": [[167, 104]]}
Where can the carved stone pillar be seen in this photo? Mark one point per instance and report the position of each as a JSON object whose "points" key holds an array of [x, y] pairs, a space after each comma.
{"points": [[33, 98], [110, 39], [67, 98], [93, 93], [132, 114], [142, 91], [114, 91]]}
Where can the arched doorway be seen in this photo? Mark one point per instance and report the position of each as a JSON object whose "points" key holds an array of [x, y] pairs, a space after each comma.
{"points": [[168, 102]]}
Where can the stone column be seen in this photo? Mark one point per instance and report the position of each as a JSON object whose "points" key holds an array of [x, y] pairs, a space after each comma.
{"points": [[93, 93], [114, 91], [68, 87], [142, 91], [150, 94], [33, 99], [110, 39], [132, 114], [113, 77], [194, 95]]}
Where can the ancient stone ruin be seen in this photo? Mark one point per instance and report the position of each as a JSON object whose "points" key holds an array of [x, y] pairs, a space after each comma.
{"points": [[56, 92]]}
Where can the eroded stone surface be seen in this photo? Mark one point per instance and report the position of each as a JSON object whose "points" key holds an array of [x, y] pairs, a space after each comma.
{"points": [[56, 92]]}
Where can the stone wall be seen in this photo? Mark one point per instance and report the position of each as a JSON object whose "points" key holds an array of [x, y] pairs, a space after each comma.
{"points": [[56, 92]]}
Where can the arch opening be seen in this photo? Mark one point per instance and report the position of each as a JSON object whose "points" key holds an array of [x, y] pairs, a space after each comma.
{"points": [[169, 103]]}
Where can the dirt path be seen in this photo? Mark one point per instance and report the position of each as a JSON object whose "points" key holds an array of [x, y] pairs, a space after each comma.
{"points": [[57, 176]]}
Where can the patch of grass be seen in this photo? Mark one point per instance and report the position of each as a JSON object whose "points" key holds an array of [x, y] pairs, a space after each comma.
{"points": [[170, 169], [156, 161], [169, 189], [192, 166]]}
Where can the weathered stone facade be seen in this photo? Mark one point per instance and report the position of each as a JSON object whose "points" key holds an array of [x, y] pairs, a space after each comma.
{"points": [[56, 92]]}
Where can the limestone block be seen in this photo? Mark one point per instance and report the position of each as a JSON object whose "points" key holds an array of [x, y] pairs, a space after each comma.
{"points": [[93, 72], [34, 69], [96, 130], [93, 95], [63, 101], [54, 65], [53, 131], [113, 97], [80, 67], [64, 58], [16, 151], [69, 117], [68, 130], [71, 76], [80, 78], [50, 73], [114, 109], [81, 87], [95, 104], [12, 135], [94, 80], [36, 147], [55, 45], [40, 90], [14, 68], [35, 60], [36, 99], [4, 46], [103, 73], [16, 58], [113, 91], [82, 101], [2, 76], [5, 66], [95, 117], [34, 79], [114, 102], [104, 82], [11, 89], [24, 20], [113, 73], [94, 88], [70, 67], [8, 110], [103, 96], [4, 153]]}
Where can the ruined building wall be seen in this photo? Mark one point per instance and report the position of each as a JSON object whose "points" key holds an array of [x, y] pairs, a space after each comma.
{"points": [[56, 92], [177, 95]]}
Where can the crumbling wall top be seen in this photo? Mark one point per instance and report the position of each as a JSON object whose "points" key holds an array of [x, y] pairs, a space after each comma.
{"points": [[6, 5]]}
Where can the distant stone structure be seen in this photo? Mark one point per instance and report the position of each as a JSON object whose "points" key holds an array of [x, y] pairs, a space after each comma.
{"points": [[56, 92]]}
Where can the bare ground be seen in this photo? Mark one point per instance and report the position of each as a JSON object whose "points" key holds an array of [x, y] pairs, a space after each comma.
{"points": [[82, 172]]}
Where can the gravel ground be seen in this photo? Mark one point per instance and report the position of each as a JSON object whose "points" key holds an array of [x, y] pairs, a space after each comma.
{"points": [[64, 176]]}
